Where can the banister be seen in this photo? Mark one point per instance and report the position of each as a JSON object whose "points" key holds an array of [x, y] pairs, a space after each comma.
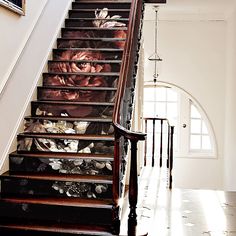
{"points": [[122, 109]]}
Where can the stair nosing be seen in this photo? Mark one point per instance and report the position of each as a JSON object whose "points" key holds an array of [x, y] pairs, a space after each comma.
{"points": [[76, 103], [94, 9], [100, 137], [90, 49], [95, 39], [106, 179], [71, 202], [84, 73], [89, 119], [86, 229], [85, 61], [89, 19], [94, 28], [78, 88]]}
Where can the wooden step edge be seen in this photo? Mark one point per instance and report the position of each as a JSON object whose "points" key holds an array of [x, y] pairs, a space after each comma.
{"points": [[108, 74], [92, 39], [90, 49], [94, 28], [77, 88], [94, 9], [60, 228], [74, 103], [60, 155], [87, 61], [89, 19], [72, 202], [102, 1], [65, 118], [102, 179], [85, 137]]}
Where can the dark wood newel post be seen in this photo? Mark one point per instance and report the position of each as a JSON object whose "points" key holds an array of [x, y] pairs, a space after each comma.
{"points": [[133, 190], [171, 155], [161, 143]]}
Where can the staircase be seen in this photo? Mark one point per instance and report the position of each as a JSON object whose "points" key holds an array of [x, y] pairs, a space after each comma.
{"points": [[60, 177]]}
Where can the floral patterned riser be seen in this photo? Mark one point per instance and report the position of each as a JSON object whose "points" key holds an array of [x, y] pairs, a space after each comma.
{"points": [[76, 95], [78, 111], [11, 187], [64, 145], [60, 165], [81, 190], [65, 127]]}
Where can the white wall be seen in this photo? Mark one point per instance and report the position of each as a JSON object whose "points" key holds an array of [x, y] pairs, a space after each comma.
{"points": [[193, 52], [230, 107], [15, 31], [21, 83]]}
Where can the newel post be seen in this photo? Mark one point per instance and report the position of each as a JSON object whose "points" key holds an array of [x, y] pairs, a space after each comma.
{"points": [[133, 190]]}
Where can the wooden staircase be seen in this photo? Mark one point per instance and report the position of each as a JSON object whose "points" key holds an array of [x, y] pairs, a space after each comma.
{"points": [[67, 175]]}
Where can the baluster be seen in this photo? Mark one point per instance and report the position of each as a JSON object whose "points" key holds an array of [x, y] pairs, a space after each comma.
{"points": [[171, 156], [161, 140], [153, 142], [116, 185], [133, 190], [145, 145], [168, 147]]}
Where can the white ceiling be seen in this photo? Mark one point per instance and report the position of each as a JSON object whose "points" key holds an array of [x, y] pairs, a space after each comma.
{"points": [[216, 9]]}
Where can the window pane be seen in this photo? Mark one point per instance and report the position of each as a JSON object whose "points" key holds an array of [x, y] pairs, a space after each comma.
{"points": [[161, 94], [148, 109], [161, 109], [149, 94], [196, 126], [194, 112], [171, 111], [171, 95], [204, 128], [206, 142], [195, 142]]}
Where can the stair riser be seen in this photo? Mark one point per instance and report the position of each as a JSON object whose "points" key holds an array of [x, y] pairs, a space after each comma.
{"points": [[61, 54], [62, 214], [13, 187], [101, 43], [87, 22], [75, 95], [94, 33], [26, 144], [72, 66], [89, 5], [78, 111], [80, 80], [60, 166], [78, 127], [91, 14]]}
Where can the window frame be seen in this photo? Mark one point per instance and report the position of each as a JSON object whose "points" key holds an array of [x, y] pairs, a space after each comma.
{"points": [[184, 117], [14, 7]]}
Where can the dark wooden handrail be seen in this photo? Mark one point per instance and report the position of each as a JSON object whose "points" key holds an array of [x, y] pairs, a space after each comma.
{"points": [[126, 80]]}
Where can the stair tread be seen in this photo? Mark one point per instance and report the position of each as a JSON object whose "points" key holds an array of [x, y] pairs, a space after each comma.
{"points": [[76, 202], [61, 177], [76, 103], [93, 9], [87, 119], [94, 39], [77, 88], [85, 73], [100, 137], [90, 49], [64, 155], [60, 228], [94, 28], [85, 61], [89, 19]]}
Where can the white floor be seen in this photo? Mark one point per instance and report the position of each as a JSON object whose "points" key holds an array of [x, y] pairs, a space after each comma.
{"points": [[182, 212]]}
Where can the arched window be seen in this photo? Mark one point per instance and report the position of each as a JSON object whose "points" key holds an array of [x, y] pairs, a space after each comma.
{"points": [[194, 135]]}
